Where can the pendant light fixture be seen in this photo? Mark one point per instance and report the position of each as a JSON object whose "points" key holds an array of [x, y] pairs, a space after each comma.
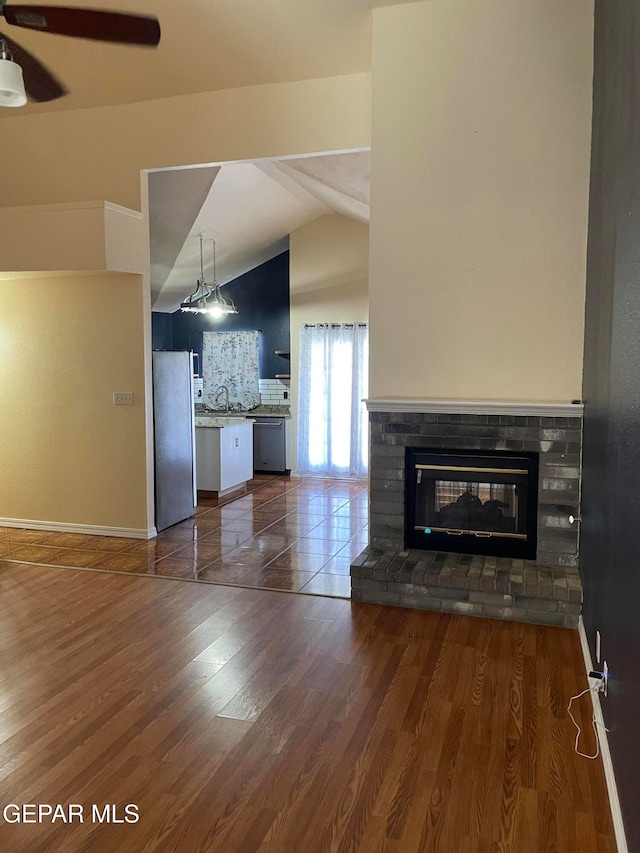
{"points": [[12, 92], [207, 298], [196, 303], [218, 304]]}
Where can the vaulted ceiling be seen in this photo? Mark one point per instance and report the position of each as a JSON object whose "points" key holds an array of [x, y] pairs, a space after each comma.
{"points": [[249, 209], [206, 45]]}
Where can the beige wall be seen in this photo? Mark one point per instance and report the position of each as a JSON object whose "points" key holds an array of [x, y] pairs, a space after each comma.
{"points": [[83, 155], [480, 126], [67, 342], [90, 235], [480, 172], [98, 153], [329, 283]]}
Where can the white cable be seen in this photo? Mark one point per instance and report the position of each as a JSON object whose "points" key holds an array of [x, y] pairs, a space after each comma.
{"points": [[595, 723]]}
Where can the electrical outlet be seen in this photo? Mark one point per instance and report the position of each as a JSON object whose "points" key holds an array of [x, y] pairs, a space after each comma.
{"points": [[597, 646], [605, 678], [286, 395], [123, 398], [595, 681]]}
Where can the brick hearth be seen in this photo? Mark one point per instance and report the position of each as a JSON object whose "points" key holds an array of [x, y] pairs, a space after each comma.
{"points": [[501, 588]]}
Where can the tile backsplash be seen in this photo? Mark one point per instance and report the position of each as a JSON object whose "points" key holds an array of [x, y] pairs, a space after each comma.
{"points": [[272, 392]]}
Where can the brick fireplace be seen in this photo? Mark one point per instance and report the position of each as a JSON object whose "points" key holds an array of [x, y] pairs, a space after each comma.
{"points": [[545, 589]]}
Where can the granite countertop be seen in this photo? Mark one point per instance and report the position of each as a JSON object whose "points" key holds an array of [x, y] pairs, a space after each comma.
{"points": [[258, 411], [270, 412], [213, 422]]}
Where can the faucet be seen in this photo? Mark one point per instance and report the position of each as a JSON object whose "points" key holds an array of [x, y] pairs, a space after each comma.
{"points": [[222, 390]]}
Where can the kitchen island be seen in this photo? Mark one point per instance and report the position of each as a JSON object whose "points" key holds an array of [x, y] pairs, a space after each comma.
{"points": [[259, 415], [224, 453]]}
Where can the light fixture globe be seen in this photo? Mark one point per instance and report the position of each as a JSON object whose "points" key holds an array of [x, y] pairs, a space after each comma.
{"points": [[220, 305], [12, 91]]}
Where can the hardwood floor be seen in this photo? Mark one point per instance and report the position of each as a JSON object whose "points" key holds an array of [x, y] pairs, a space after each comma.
{"points": [[247, 721], [290, 534]]}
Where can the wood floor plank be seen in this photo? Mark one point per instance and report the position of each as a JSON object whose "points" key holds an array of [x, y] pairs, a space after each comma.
{"points": [[251, 721]]}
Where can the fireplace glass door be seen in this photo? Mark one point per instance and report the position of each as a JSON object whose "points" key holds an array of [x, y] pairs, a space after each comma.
{"points": [[466, 506], [472, 503]]}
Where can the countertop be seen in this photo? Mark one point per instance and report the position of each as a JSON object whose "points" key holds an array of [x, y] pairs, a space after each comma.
{"points": [[259, 411], [270, 412], [214, 422]]}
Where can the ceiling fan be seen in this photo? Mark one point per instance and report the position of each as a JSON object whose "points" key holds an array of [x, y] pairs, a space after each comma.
{"points": [[40, 84]]}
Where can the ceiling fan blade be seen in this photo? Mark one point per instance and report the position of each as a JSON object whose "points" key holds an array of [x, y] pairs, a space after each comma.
{"points": [[39, 82], [86, 23]]}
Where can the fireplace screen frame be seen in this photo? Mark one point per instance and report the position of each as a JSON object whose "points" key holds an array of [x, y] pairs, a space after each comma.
{"points": [[472, 466]]}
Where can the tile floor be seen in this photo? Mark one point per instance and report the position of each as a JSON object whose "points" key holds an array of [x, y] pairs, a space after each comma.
{"points": [[289, 534]]}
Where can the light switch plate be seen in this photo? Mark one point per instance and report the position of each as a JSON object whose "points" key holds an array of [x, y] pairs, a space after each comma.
{"points": [[123, 398]]}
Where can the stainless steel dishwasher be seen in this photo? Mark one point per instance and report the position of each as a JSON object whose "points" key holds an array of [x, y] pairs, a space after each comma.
{"points": [[269, 445]]}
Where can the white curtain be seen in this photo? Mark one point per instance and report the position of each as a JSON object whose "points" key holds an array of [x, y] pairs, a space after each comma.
{"points": [[333, 435]]}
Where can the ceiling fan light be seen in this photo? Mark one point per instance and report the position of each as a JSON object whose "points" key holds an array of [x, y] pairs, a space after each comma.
{"points": [[12, 91]]}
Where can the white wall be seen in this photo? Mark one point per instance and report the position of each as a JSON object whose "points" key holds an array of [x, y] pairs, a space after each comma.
{"points": [[480, 178], [329, 283]]}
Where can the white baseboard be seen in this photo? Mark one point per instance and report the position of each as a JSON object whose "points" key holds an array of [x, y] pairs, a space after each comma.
{"points": [[614, 802], [89, 529]]}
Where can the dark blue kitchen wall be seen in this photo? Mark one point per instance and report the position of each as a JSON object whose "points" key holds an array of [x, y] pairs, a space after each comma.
{"points": [[609, 544], [262, 298], [161, 330]]}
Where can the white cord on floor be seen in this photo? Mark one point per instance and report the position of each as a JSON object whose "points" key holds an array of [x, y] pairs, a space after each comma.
{"points": [[595, 723]]}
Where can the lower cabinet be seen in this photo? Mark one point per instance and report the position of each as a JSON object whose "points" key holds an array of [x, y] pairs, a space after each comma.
{"points": [[269, 450], [224, 457]]}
